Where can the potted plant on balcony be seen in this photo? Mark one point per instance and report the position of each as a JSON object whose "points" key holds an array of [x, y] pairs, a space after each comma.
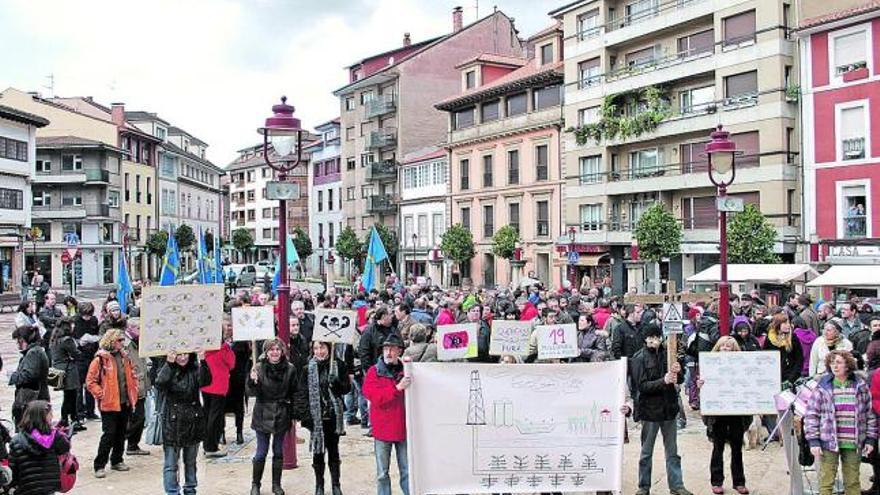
{"points": [[792, 93]]}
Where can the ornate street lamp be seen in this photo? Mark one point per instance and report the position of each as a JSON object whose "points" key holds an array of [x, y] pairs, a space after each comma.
{"points": [[721, 153]]}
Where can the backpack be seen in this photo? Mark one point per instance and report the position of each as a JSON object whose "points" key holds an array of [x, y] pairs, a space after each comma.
{"points": [[69, 466]]}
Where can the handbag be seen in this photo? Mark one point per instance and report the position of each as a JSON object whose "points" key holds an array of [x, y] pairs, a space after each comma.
{"points": [[55, 378], [69, 466], [154, 433]]}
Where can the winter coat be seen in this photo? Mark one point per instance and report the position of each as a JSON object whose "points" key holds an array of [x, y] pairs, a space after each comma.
{"points": [[749, 343], [792, 361], [339, 384], [529, 313], [860, 340], [238, 377], [655, 400], [34, 463], [26, 320], [820, 428], [64, 356], [299, 352], [220, 362], [183, 418], [32, 371], [593, 345], [421, 352], [850, 327], [387, 405], [422, 316], [370, 345], [140, 367], [403, 327], [600, 316], [307, 327], [484, 334], [103, 383], [874, 384], [705, 336], [110, 322], [49, 318], [807, 338], [626, 340], [444, 317], [274, 391], [821, 349], [811, 318]]}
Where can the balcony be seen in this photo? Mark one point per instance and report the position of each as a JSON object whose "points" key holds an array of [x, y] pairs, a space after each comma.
{"points": [[94, 210], [381, 203], [380, 106], [53, 212], [240, 222], [65, 177], [97, 175], [853, 149], [508, 125], [382, 138], [385, 170], [855, 226]]}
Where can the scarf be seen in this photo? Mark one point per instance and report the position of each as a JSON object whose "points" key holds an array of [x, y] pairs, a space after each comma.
{"points": [[46, 440], [778, 340], [832, 343], [316, 446]]}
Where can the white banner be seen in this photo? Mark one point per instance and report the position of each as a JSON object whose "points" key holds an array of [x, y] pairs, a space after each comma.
{"points": [[253, 323], [489, 428], [557, 341], [181, 318], [457, 341], [739, 383], [510, 337], [334, 326]]}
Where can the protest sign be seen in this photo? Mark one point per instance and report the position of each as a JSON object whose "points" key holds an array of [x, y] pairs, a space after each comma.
{"points": [[457, 341], [739, 383], [181, 318], [334, 326], [253, 323], [557, 341], [510, 337]]}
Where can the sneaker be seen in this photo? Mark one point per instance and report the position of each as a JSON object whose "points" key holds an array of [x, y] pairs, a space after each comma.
{"points": [[216, 454], [741, 489], [100, 473], [123, 467], [136, 451], [77, 426], [680, 491], [369, 433]]}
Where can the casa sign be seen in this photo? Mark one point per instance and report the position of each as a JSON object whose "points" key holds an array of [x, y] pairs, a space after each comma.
{"points": [[854, 251]]}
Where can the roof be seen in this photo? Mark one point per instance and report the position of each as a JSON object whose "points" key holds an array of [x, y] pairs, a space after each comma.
{"points": [[530, 74], [180, 151], [16, 115], [138, 116], [494, 58], [848, 276], [565, 8], [70, 142], [772, 273], [423, 155], [556, 26], [839, 15], [328, 124], [86, 105], [177, 131], [394, 50]]}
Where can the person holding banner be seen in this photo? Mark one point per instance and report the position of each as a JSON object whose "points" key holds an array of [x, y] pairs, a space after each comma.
{"points": [[475, 315]]}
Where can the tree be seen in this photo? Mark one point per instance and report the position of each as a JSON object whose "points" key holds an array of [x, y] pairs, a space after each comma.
{"points": [[750, 237], [184, 237], [156, 243], [302, 243], [658, 233], [504, 242], [348, 246], [242, 240], [457, 244], [388, 237]]}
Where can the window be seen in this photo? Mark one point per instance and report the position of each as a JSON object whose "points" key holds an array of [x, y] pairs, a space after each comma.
{"points": [[643, 162], [588, 24], [850, 52], [330, 235], [462, 119], [741, 88], [696, 100], [855, 212], [517, 104], [349, 103], [470, 79], [546, 97], [464, 167], [113, 199], [588, 73], [107, 233], [591, 216], [149, 191], [852, 133], [699, 213], [543, 225], [251, 215], [366, 191], [487, 171], [408, 226], [588, 115], [107, 269], [160, 133], [349, 133], [547, 54], [45, 232], [697, 43], [349, 163], [513, 167], [739, 28], [251, 195], [366, 97], [693, 157], [320, 200], [367, 158], [44, 166], [488, 221], [71, 162], [590, 168], [267, 212], [438, 227], [513, 215], [489, 111], [641, 10], [349, 193], [364, 129], [466, 218], [267, 233], [11, 199], [13, 149], [71, 200], [542, 167], [329, 199], [423, 229], [749, 144], [641, 57]]}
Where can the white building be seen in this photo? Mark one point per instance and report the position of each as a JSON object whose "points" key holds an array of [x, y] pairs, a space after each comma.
{"points": [[325, 197], [17, 154], [424, 193]]}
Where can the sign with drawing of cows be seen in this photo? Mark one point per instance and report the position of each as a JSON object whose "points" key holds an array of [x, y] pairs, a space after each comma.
{"points": [[335, 326], [181, 318]]}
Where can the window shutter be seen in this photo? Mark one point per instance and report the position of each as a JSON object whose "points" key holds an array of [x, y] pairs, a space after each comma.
{"points": [[741, 84], [749, 144], [705, 216], [740, 27], [849, 49]]}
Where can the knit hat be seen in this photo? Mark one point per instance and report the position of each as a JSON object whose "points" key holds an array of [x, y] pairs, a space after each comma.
{"points": [[113, 305]]}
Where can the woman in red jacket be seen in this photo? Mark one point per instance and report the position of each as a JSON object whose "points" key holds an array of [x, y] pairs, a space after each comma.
{"points": [[220, 362]]}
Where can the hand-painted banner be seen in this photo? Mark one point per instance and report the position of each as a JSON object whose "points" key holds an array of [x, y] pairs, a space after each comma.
{"points": [[510, 338], [335, 326], [457, 341], [181, 318], [739, 383], [557, 341], [253, 323]]}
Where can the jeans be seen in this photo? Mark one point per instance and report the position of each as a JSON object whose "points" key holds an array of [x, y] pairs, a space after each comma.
{"points": [[171, 468], [214, 405], [673, 460], [383, 462], [850, 459], [352, 401], [112, 443], [136, 424], [263, 446]]}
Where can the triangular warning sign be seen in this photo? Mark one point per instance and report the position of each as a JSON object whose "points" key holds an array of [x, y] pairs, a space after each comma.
{"points": [[672, 313]]}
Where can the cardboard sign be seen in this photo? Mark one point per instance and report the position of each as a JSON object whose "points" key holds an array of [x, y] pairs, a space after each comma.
{"points": [[557, 341], [739, 383], [510, 337], [333, 325], [253, 323], [181, 318], [457, 341]]}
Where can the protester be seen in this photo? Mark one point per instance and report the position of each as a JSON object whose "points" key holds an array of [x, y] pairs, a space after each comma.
{"points": [[840, 424], [306, 320], [220, 362], [27, 315], [236, 397], [404, 320], [137, 420], [49, 315], [594, 345], [272, 382], [34, 451], [484, 332], [112, 381], [30, 378], [850, 322], [780, 338], [742, 332], [831, 339], [372, 340], [114, 318], [625, 337], [420, 350], [85, 331], [64, 357], [807, 337], [808, 314]]}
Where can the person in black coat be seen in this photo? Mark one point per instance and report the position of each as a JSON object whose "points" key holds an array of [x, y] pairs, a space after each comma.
{"points": [[370, 344], [626, 339], [34, 451], [85, 331], [484, 333], [30, 379], [183, 419], [236, 398], [64, 356], [272, 382]]}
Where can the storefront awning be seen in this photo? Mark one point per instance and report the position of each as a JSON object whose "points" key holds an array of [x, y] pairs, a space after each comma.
{"points": [[584, 260], [848, 276], [756, 274]]}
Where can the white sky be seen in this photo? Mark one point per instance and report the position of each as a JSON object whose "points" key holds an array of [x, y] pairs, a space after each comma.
{"points": [[215, 67]]}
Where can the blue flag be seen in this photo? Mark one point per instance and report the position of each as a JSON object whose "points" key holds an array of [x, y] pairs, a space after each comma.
{"points": [[292, 257], [171, 262], [218, 267], [202, 260], [125, 289], [376, 254]]}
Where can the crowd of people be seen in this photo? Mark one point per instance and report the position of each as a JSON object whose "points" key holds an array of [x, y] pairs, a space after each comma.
{"points": [[180, 401]]}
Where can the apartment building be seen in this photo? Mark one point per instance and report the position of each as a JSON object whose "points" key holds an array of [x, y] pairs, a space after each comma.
{"points": [[396, 90], [840, 74], [325, 197], [424, 203], [645, 83], [18, 131]]}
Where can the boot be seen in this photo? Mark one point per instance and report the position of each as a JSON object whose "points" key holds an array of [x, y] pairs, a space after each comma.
{"points": [[277, 466], [319, 478], [239, 437], [257, 476], [334, 478]]}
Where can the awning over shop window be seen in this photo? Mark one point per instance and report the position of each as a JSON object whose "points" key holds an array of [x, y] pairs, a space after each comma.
{"points": [[585, 260], [756, 274], [849, 276]]}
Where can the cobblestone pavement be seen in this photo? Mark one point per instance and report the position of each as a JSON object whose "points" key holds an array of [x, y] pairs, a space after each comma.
{"points": [[765, 470]]}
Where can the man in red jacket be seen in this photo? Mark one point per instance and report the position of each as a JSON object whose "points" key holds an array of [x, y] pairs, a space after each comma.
{"points": [[220, 362], [384, 387]]}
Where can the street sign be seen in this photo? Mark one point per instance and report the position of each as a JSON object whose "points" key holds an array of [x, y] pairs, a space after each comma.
{"points": [[573, 257], [672, 318], [71, 239], [729, 204], [65, 257], [276, 190]]}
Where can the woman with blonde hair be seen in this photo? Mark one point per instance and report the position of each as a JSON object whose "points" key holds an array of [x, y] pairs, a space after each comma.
{"points": [[780, 337]]}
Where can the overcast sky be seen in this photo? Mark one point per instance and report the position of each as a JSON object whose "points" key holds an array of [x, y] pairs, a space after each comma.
{"points": [[215, 67]]}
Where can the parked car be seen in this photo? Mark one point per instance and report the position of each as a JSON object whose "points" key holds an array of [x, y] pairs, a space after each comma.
{"points": [[262, 270], [240, 275]]}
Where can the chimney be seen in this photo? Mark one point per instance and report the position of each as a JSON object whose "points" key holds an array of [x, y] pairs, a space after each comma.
{"points": [[406, 40], [456, 19], [117, 113]]}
